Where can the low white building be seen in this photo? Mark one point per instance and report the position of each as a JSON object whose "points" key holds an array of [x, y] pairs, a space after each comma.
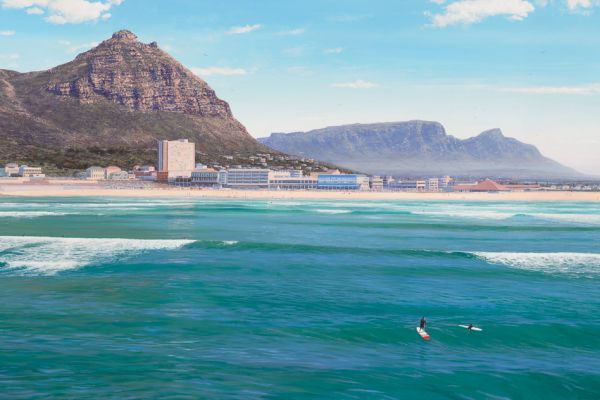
{"points": [[31, 172], [95, 173], [108, 171], [11, 170], [209, 177], [376, 183], [433, 185], [248, 178]]}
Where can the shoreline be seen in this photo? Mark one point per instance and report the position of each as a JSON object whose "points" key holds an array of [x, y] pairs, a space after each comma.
{"points": [[88, 191]]}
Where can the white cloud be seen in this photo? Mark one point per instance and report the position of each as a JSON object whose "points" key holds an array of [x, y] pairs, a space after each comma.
{"points": [[228, 71], [358, 84], [472, 11], [293, 32], [335, 50], [7, 33], [66, 11], [572, 90], [575, 5], [239, 30], [11, 57], [34, 11]]}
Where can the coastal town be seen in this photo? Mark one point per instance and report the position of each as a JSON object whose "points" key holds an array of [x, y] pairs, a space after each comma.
{"points": [[177, 167]]}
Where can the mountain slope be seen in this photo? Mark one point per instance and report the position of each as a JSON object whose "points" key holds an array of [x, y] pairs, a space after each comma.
{"points": [[418, 148], [110, 105]]}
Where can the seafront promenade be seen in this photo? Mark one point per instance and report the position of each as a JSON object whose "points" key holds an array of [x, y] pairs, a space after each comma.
{"points": [[87, 190]]}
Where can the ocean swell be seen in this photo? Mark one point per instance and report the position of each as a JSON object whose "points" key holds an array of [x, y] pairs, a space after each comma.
{"points": [[49, 255], [570, 263]]}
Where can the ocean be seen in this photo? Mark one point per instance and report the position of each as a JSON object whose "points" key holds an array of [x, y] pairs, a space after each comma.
{"points": [[228, 299]]}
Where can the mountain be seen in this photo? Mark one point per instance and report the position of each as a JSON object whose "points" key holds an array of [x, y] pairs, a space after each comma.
{"points": [[109, 106], [419, 148]]}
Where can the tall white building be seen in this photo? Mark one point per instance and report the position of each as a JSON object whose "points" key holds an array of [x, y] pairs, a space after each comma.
{"points": [[176, 159]]}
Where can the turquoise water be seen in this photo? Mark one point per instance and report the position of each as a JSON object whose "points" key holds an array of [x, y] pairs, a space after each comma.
{"points": [[128, 298]]}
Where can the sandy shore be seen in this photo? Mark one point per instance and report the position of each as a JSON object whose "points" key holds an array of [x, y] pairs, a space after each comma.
{"points": [[96, 191]]}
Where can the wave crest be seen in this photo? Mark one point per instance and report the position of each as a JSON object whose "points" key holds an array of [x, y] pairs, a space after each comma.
{"points": [[572, 263], [50, 255]]}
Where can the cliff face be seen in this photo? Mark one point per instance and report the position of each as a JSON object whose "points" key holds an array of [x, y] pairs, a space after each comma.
{"points": [[116, 99], [139, 76], [418, 148]]}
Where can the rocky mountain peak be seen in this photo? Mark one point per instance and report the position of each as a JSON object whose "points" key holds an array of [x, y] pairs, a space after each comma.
{"points": [[124, 35], [109, 106], [138, 76], [495, 133]]}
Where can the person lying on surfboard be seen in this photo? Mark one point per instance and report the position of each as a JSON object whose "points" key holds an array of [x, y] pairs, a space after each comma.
{"points": [[423, 322], [470, 327]]}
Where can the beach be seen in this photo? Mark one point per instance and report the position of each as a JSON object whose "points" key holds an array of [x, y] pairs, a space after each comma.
{"points": [[88, 190]]}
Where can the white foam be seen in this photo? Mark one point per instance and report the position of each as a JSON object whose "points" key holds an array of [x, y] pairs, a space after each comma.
{"points": [[29, 214], [574, 263], [49, 255], [230, 242], [592, 219], [334, 211], [467, 214]]}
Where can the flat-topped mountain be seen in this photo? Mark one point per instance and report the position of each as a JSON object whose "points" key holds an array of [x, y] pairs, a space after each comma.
{"points": [[109, 106], [419, 148]]}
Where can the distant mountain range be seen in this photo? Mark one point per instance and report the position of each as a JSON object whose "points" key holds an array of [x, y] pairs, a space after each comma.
{"points": [[109, 106], [419, 148]]}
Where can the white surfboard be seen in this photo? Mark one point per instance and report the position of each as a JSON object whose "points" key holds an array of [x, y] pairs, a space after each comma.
{"points": [[473, 328], [423, 334]]}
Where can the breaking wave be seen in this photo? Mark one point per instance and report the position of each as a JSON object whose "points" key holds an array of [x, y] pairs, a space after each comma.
{"points": [[589, 219], [30, 214], [50, 255], [571, 263]]}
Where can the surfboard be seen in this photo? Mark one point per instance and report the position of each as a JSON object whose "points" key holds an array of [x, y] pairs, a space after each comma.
{"points": [[473, 328], [423, 334]]}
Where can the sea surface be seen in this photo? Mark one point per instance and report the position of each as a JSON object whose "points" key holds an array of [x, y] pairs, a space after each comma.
{"points": [[221, 299]]}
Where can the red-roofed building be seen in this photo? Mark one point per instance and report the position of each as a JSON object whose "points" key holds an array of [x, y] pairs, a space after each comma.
{"points": [[483, 186]]}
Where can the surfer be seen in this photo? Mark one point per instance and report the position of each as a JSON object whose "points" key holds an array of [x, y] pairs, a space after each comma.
{"points": [[422, 323], [470, 327]]}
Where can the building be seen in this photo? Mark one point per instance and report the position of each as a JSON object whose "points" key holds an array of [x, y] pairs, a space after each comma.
{"points": [[176, 159], [208, 177], [484, 186], [95, 173], [376, 183], [445, 182], [293, 183], [108, 171], [248, 178], [145, 173], [11, 170], [342, 182], [523, 187], [31, 172], [432, 185], [287, 173], [409, 186]]}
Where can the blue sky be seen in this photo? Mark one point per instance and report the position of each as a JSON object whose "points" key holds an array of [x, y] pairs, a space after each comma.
{"points": [[531, 67]]}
